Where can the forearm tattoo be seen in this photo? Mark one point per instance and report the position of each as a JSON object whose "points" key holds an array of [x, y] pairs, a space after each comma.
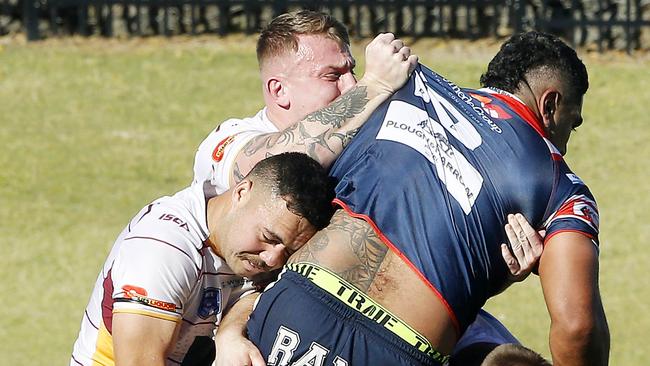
{"points": [[347, 106], [346, 137], [356, 239]]}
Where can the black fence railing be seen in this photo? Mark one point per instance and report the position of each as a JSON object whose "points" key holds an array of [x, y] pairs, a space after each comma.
{"points": [[609, 24]]}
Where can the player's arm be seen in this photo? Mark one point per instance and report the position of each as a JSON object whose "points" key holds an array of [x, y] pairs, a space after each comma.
{"points": [[233, 348], [323, 134], [141, 339], [568, 270]]}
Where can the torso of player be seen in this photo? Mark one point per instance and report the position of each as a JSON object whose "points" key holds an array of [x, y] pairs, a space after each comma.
{"points": [[434, 173]]}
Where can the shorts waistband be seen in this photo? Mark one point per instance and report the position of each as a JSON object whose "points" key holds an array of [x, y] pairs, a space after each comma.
{"points": [[355, 299]]}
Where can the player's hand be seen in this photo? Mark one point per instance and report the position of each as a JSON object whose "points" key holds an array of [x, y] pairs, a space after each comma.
{"points": [[527, 245], [388, 64], [235, 349]]}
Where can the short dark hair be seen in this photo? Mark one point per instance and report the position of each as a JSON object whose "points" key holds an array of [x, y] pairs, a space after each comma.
{"points": [[302, 182], [534, 51], [511, 354], [281, 35]]}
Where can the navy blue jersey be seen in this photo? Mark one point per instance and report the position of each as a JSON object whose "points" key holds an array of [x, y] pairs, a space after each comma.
{"points": [[438, 168]]}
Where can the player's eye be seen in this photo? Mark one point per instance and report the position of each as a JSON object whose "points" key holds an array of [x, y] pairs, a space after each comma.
{"points": [[269, 239], [334, 76]]}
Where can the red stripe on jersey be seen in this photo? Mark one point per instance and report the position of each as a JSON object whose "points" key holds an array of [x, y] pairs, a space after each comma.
{"points": [[107, 302], [523, 111], [386, 241]]}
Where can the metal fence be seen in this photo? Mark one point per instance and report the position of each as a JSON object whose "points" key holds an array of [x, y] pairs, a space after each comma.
{"points": [[609, 24]]}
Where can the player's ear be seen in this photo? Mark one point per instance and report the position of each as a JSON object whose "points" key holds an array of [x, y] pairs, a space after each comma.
{"points": [[548, 104], [277, 90], [241, 192]]}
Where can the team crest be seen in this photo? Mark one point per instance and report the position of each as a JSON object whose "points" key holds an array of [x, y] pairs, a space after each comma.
{"points": [[210, 302]]}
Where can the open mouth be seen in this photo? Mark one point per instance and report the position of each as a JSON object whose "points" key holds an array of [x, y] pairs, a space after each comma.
{"points": [[252, 266]]}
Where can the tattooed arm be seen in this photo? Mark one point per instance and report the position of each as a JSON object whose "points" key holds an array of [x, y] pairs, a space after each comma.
{"points": [[324, 133]]}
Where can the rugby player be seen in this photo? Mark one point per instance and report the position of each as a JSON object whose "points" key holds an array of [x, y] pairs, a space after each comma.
{"points": [[182, 261], [313, 103], [371, 290]]}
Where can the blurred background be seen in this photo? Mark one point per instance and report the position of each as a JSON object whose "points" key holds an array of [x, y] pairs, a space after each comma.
{"points": [[103, 103], [607, 24]]}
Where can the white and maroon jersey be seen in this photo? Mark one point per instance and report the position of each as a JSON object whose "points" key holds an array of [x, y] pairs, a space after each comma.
{"points": [[216, 155], [160, 267]]}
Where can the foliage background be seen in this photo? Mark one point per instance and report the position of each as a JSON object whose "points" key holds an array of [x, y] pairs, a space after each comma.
{"points": [[93, 129]]}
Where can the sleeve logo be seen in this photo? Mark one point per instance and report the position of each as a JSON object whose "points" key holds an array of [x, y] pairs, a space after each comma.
{"points": [[139, 295], [579, 207], [133, 292], [218, 152]]}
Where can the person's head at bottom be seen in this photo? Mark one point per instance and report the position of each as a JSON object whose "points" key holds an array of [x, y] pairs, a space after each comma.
{"points": [[511, 354], [271, 213], [495, 354]]}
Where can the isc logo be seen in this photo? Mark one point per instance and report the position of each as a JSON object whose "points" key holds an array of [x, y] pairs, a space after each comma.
{"points": [[174, 219]]}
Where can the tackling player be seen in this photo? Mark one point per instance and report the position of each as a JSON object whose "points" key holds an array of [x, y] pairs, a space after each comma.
{"points": [[181, 262]]}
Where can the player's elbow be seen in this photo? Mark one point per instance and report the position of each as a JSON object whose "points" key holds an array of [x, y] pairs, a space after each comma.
{"points": [[587, 336]]}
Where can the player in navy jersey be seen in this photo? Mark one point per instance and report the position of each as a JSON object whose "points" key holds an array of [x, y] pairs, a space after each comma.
{"points": [[425, 189]]}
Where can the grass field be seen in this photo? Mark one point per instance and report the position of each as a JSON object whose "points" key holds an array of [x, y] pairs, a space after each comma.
{"points": [[91, 130]]}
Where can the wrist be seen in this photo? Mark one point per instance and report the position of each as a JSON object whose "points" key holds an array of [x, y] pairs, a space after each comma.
{"points": [[230, 333], [375, 87]]}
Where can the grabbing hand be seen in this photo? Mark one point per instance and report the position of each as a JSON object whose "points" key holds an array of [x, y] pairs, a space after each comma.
{"points": [[388, 64], [527, 245], [235, 349]]}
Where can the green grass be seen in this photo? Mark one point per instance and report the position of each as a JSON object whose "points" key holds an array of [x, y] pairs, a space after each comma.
{"points": [[91, 130]]}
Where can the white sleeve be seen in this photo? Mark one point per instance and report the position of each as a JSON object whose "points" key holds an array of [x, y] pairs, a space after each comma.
{"points": [[151, 277], [216, 155]]}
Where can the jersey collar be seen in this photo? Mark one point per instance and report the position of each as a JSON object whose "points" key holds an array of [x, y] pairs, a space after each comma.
{"points": [[264, 117]]}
